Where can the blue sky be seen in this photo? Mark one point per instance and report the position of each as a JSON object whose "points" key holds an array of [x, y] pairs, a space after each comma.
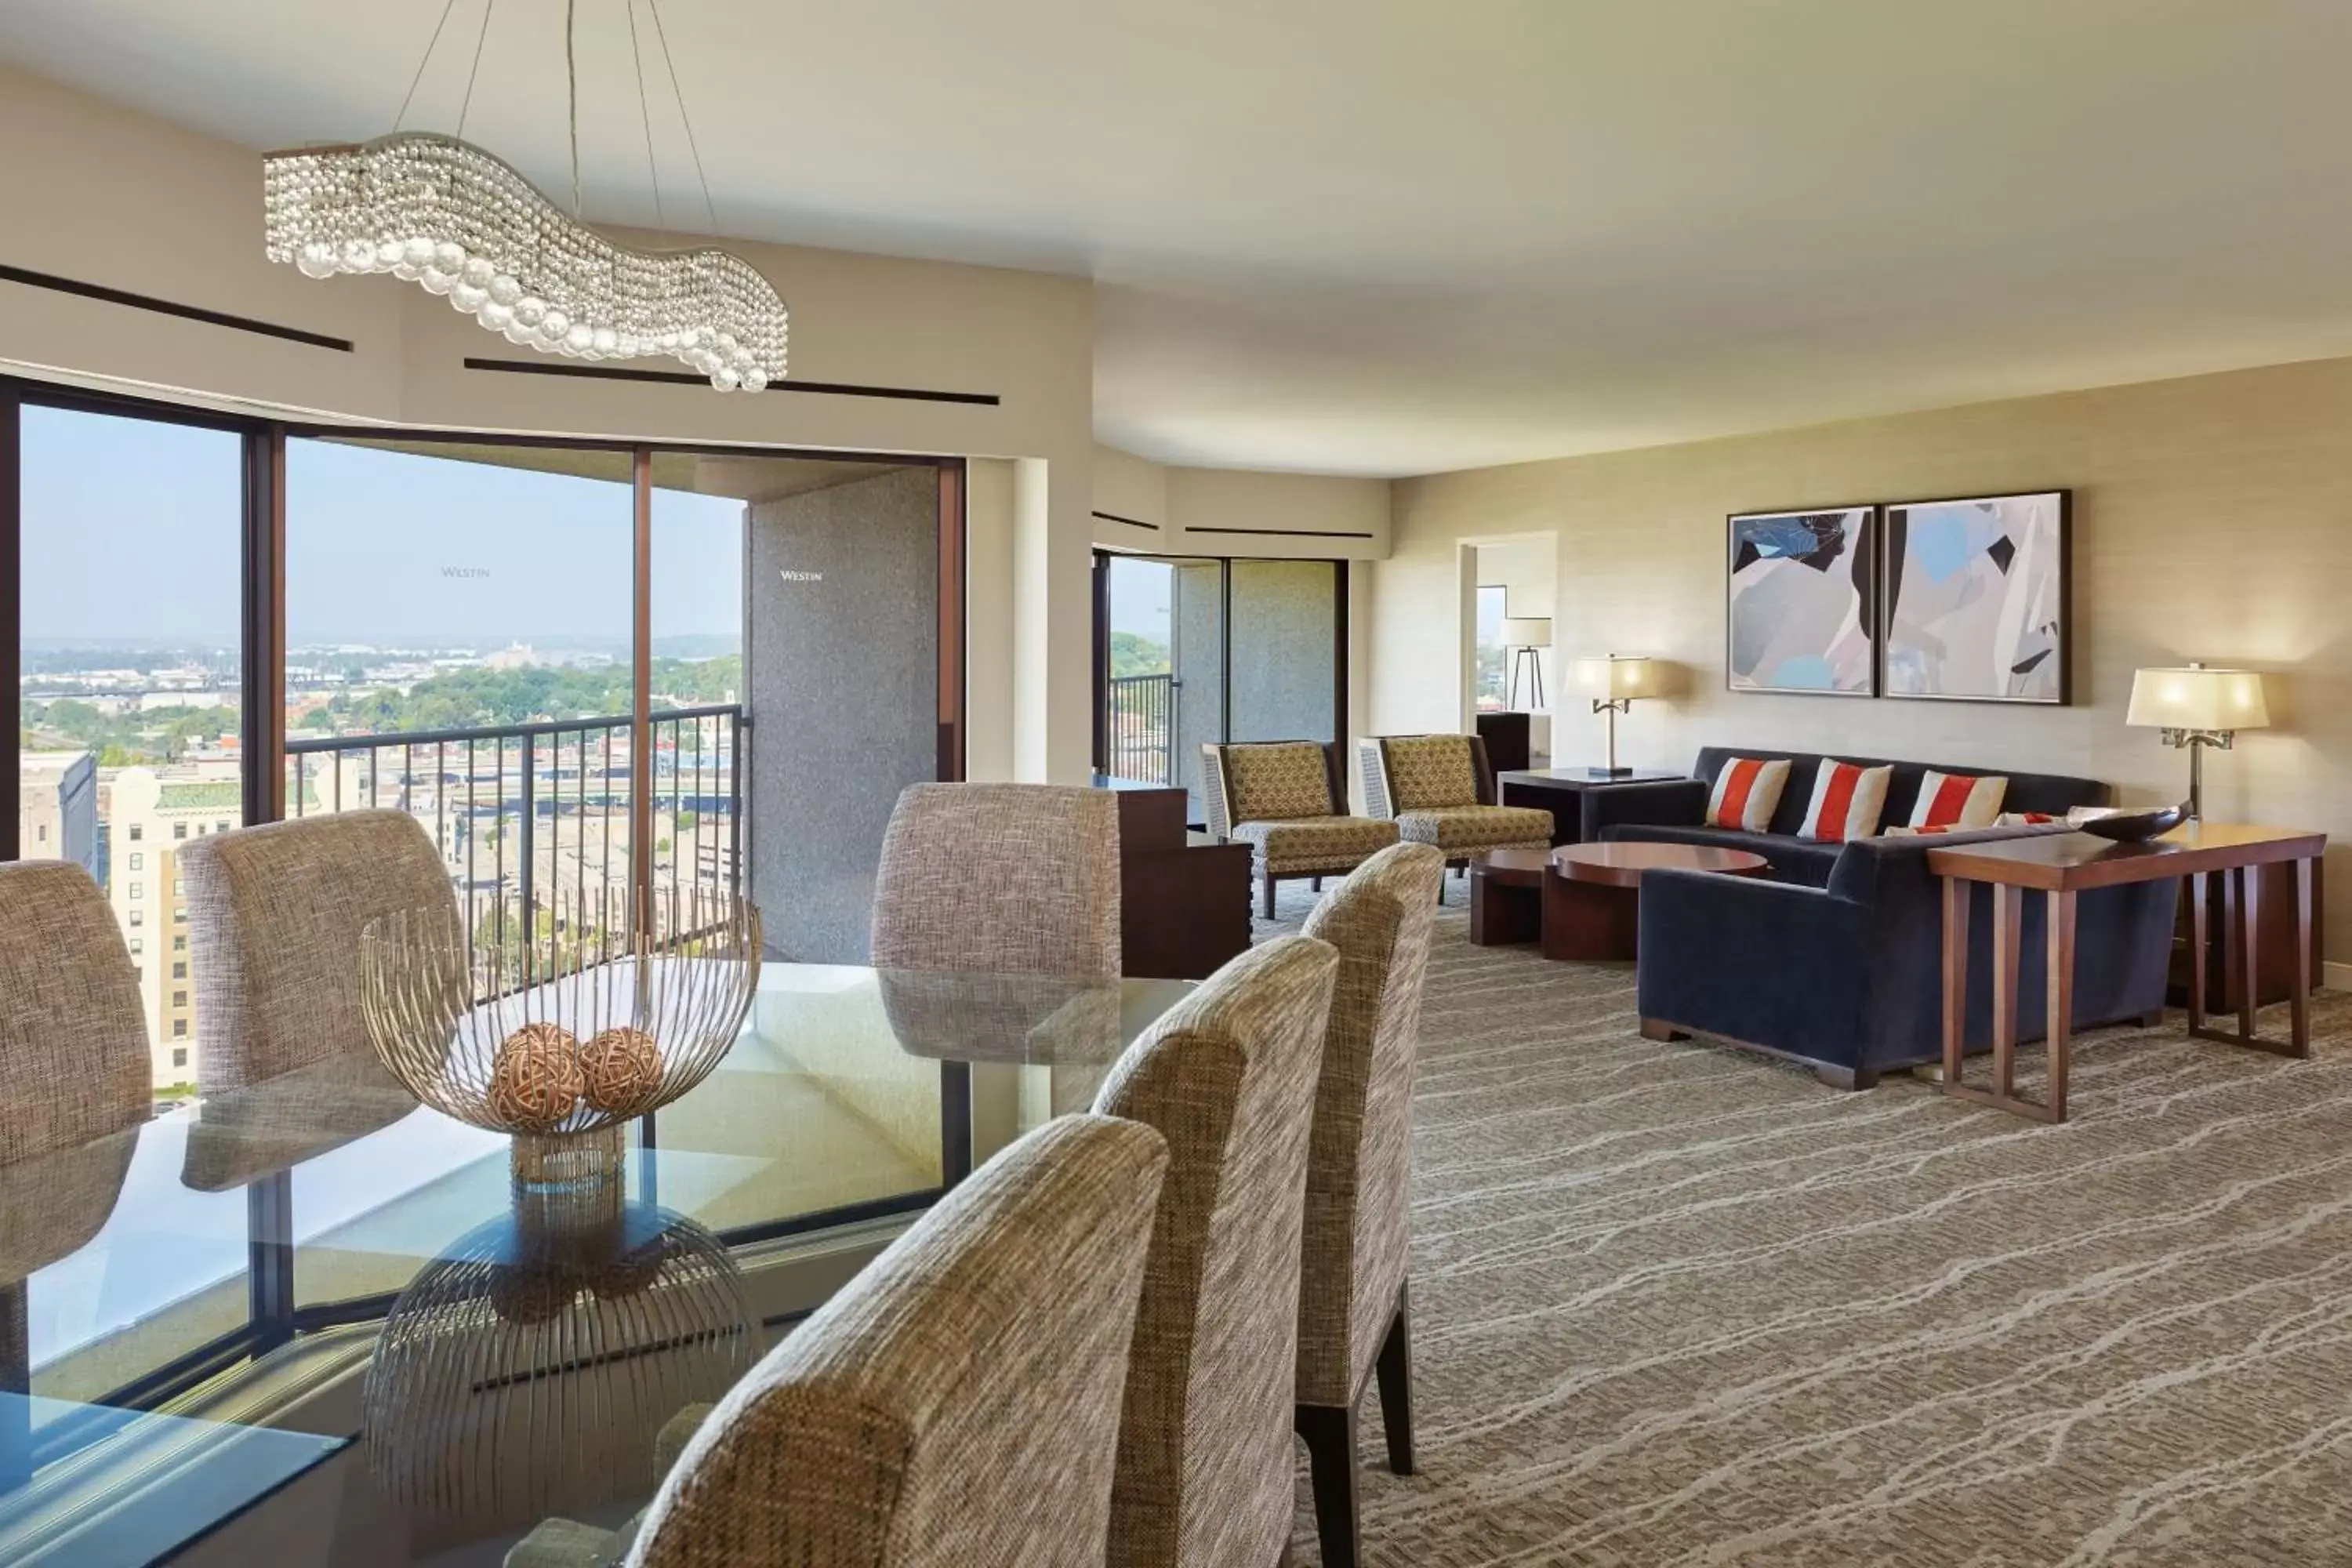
{"points": [[131, 531]]}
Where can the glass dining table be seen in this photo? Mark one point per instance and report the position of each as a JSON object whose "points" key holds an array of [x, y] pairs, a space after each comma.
{"points": [[368, 1337]]}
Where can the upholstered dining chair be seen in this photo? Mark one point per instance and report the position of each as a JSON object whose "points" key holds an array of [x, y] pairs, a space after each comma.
{"points": [[1010, 879], [1352, 1316], [73, 1064], [957, 1403], [1439, 790], [1205, 1477], [275, 915], [1283, 799]]}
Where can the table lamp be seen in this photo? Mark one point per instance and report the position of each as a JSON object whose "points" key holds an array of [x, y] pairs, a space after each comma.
{"points": [[2196, 707], [1527, 636], [1616, 679]]}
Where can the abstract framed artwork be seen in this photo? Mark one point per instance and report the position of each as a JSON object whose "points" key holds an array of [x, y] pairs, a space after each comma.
{"points": [[1976, 591], [1802, 590]]}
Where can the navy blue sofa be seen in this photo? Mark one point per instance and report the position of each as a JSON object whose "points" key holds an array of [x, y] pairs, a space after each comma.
{"points": [[1675, 810], [1847, 976]]}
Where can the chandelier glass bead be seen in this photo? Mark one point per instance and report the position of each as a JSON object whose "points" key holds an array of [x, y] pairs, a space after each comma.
{"points": [[462, 223]]}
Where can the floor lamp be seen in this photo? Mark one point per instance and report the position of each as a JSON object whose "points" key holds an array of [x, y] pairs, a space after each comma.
{"points": [[1528, 639]]}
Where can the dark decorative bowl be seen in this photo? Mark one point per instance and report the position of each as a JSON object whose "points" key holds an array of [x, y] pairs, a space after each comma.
{"points": [[2137, 826]]}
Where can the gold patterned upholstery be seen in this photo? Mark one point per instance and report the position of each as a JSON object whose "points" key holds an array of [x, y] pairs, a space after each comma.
{"points": [[1466, 830], [1279, 798], [1437, 790], [1427, 771], [1301, 848], [1277, 783]]}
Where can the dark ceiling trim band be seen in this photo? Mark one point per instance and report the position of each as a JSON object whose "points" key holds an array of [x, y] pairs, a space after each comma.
{"points": [[1284, 532], [688, 378], [1130, 521], [32, 279]]}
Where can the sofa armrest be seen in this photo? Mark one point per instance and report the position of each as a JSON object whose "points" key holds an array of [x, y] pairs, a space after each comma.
{"points": [[1766, 964], [1667, 803]]}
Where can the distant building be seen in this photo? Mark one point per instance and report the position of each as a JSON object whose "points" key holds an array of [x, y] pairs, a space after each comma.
{"points": [[56, 810], [150, 814]]}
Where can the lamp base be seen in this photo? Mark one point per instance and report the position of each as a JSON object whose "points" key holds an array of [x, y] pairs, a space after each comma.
{"points": [[1608, 773]]}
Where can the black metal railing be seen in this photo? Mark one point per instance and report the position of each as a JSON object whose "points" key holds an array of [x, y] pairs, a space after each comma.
{"points": [[532, 820], [1139, 726]]}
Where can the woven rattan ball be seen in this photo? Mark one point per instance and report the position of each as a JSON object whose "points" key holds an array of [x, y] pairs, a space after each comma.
{"points": [[535, 1078], [528, 1293], [621, 1070]]}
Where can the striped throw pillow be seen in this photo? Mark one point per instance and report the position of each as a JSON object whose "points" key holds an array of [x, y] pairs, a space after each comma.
{"points": [[1959, 800], [1746, 792], [1847, 799]]}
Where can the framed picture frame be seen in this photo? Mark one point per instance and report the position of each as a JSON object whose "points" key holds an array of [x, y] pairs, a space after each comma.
{"points": [[1977, 597], [1800, 601]]}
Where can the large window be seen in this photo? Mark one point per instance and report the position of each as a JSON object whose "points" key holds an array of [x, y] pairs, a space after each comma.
{"points": [[544, 654], [1194, 651]]}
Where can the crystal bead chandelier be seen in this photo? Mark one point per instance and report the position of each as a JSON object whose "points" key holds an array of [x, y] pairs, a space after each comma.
{"points": [[438, 211]]}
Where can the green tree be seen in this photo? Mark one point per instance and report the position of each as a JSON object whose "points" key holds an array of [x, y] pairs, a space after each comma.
{"points": [[1132, 653]]}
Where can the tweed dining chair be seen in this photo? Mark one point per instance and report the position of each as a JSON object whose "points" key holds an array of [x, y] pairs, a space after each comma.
{"points": [[73, 1063], [1352, 1313], [957, 1403], [1009, 878], [1206, 1471]]}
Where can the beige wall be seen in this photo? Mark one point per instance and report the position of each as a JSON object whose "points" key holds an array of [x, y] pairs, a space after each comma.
{"points": [[130, 202], [2212, 521]]}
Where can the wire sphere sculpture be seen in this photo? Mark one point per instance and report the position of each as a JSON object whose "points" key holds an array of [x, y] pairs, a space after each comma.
{"points": [[530, 1370], [577, 1020]]}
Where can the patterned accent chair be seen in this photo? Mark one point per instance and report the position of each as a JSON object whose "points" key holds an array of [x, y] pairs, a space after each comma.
{"points": [[1283, 799], [899, 1427], [73, 1066], [1352, 1315], [1205, 1473], [1439, 790], [284, 1060], [1008, 879]]}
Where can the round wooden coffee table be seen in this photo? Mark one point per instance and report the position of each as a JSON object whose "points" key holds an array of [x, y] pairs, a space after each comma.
{"points": [[1506, 895], [1591, 900]]}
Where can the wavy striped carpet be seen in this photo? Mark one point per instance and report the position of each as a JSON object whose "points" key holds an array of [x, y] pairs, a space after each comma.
{"points": [[1676, 1305]]}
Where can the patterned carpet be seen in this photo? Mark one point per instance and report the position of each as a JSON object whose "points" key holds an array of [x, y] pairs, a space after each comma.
{"points": [[1676, 1305]]}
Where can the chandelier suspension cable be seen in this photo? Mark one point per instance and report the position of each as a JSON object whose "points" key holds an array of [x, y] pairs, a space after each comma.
{"points": [[646, 114], [480, 39], [431, 44], [571, 95], [685, 119]]}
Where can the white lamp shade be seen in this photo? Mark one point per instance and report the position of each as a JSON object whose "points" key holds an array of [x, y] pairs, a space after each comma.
{"points": [[2198, 698], [1614, 676], [1527, 631]]}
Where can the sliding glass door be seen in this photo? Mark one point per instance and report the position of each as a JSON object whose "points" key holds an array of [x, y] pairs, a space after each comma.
{"points": [[1193, 650]]}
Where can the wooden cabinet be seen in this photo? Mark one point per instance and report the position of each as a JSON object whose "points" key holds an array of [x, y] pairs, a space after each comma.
{"points": [[1183, 908]]}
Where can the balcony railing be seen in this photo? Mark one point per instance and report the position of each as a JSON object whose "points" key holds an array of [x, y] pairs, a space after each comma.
{"points": [[1139, 727], [532, 820]]}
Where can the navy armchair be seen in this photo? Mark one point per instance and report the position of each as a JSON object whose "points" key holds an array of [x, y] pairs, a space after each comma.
{"points": [[1848, 977]]}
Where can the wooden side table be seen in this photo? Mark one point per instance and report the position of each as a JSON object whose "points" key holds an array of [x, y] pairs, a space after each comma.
{"points": [[1561, 791], [1591, 900], [1506, 896], [2063, 865]]}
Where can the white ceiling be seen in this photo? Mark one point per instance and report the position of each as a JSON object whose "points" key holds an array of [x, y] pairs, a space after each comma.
{"points": [[1392, 236]]}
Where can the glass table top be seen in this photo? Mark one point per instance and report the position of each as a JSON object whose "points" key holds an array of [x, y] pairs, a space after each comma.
{"points": [[182, 1479], [329, 1196]]}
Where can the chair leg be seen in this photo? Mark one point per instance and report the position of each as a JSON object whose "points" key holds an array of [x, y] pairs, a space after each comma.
{"points": [[1269, 895], [1316, 883], [1394, 1371], [1330, 1437]]}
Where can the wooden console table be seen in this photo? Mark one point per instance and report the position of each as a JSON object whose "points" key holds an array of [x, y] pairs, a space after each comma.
{"points": [[2062, 865]]}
